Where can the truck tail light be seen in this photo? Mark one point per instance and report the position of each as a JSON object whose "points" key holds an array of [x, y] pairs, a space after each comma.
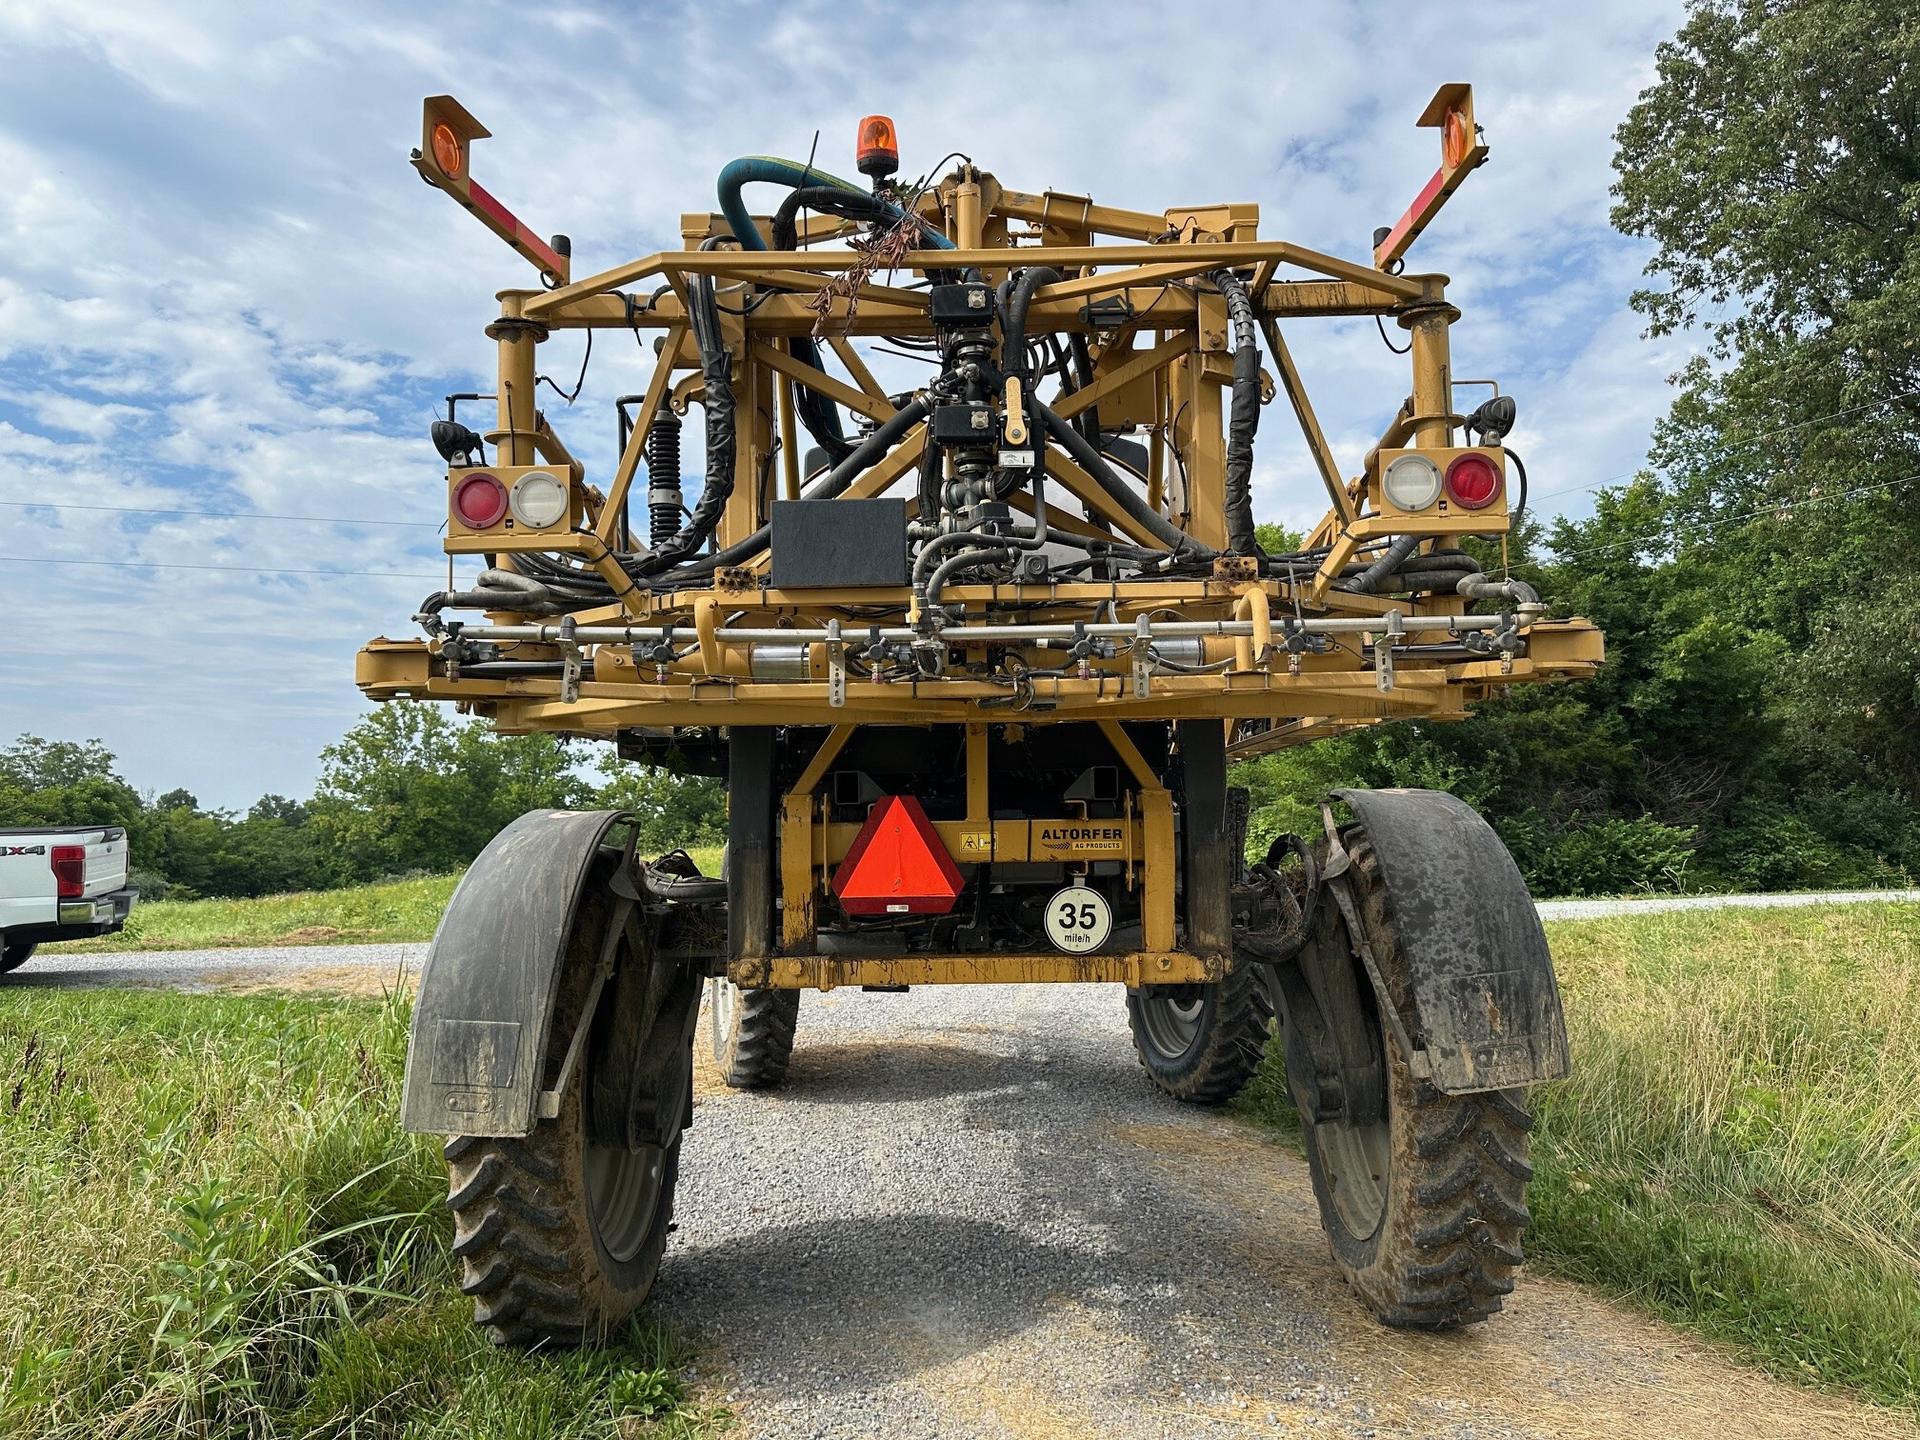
{"points": [[1472, 481], [479, 501], [70, 871]]}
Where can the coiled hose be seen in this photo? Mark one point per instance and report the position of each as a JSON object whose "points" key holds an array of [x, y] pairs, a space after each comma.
{"points": [[1243, 416]]}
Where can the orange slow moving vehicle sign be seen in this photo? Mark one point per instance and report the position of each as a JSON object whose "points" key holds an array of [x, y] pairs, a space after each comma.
{"points": [[445, 159], [1461, 151], [897, 865]]}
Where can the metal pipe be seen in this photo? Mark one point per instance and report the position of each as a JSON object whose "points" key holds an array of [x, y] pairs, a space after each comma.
{"points": [[989, 634]]}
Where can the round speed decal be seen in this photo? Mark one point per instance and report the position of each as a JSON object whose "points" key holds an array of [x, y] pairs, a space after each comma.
{"points": [[1079, 919]]}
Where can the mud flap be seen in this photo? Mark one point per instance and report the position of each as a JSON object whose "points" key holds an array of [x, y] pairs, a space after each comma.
{"points": [[1485, 1007], [487, 993]]}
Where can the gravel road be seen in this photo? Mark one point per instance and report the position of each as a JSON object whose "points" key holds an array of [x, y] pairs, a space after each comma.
{"points": [[969, 1215], [241, 966]]}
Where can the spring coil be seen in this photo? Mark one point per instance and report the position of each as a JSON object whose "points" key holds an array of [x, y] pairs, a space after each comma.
{"points": [[665, 506]]}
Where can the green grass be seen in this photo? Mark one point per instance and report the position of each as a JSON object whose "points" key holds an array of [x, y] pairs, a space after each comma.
{"points": [[398, 911], [1738, 1147], [212, 1225]]}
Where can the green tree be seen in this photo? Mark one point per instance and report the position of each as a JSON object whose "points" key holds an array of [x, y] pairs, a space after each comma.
{"points": [[672, 810], [412, 787]]}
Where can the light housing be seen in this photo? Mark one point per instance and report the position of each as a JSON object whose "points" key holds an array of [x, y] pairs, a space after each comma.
{"points": [[1411, 482], [70, 871], [877, 152], [1473, 481], [479, 501], [538, 500]]}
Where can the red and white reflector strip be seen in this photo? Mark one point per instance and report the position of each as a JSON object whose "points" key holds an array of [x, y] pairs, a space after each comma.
{"points": [[898, 864]]}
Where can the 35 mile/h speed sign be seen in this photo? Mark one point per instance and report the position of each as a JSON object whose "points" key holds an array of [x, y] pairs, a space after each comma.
{"points": [[1079, 919]]}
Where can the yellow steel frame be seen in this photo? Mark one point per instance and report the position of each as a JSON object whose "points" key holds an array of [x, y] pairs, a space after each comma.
{"points": [[1135, 285]]}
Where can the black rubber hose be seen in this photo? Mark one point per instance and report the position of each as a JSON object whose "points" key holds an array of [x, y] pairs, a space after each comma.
{"points": [[1369, 579], [1123, 494], [1013, 354], [716, 401], [1243, 417], [827, 487], [1087, 422]]}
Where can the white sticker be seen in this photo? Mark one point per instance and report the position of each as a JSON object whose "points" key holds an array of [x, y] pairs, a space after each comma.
{"points": [[1078, 919], [1016, 459]]}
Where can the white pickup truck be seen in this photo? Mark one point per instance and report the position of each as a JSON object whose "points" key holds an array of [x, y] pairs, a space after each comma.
{"points": [[60, 883]]}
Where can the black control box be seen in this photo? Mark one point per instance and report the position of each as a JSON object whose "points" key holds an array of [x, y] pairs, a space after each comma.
{"points": [[837, 543]]}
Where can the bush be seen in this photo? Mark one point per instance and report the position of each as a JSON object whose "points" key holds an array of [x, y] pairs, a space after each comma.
{"points": [[1607, 858]]}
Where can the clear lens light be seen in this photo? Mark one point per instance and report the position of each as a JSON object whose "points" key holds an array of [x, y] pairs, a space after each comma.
{"points": [[539, 500], [1412, 482]]}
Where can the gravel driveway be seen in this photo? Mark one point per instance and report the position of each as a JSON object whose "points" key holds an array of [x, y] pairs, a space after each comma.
{"points": [[969, 1214]]}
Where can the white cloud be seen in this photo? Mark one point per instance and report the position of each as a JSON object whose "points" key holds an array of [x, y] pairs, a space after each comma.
{"points": [[222, 288]]}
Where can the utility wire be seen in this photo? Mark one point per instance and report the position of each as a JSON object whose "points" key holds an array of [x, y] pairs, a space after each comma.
{"points": [[1747, 440], [218, 514], [1721, 522], [236, 569]]}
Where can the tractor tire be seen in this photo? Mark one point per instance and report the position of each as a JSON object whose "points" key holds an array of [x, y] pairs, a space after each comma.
{"points": [[1425, 1208], [752, 1033], [1202, 1043], [559, 1234], [559, 1239], [12, 957]]}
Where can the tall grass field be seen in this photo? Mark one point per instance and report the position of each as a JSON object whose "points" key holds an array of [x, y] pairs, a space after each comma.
{"points": [[1738, 1147], [211, 1225]]}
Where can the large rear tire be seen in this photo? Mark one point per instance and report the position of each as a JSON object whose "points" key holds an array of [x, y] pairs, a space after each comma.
{"points": [[560, 1232], [12, 957], [752, 1033], [1425, 1208], [1202, 1043], [559, 1238]]}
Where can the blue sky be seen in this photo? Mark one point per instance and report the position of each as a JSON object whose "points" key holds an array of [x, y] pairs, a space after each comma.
{"points": [[223, 289]]}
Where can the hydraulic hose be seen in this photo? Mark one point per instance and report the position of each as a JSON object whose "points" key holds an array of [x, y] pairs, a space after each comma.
{"points": [[716, 401], [1243, 418], [1123, 494], [827, 487], [1368, 580], [771, 170], [1013, 355], [926, 590], [817, 412]]}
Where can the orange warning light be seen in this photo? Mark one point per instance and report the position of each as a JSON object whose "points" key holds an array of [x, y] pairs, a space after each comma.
{"points": [[448, 153], [878, 152]]}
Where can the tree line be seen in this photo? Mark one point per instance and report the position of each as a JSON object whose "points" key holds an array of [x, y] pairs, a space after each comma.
{"points": [[409, 788], [1757, 724]]}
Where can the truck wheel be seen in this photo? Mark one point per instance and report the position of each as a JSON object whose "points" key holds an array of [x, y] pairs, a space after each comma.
{"points": [[1202, 1043], [558, 1238], [1425, 1208], [752, 1033], [12, 957]]}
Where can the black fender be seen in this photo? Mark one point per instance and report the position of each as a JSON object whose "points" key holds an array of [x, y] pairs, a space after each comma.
{"points": [[1478, 976], [482, 1017]]}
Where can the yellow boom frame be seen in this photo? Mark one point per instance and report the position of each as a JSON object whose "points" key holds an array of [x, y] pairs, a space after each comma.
{"points": [[1161, 342]]}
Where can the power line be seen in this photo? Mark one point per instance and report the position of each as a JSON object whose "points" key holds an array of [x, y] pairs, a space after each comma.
{"points": [[234, 569], [1704, 526], [1750, 440], [217, 514]]}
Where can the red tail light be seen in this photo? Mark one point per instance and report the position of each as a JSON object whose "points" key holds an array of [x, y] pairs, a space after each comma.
{"points": [[1472, 481], [479, 501], [70, 871]]}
